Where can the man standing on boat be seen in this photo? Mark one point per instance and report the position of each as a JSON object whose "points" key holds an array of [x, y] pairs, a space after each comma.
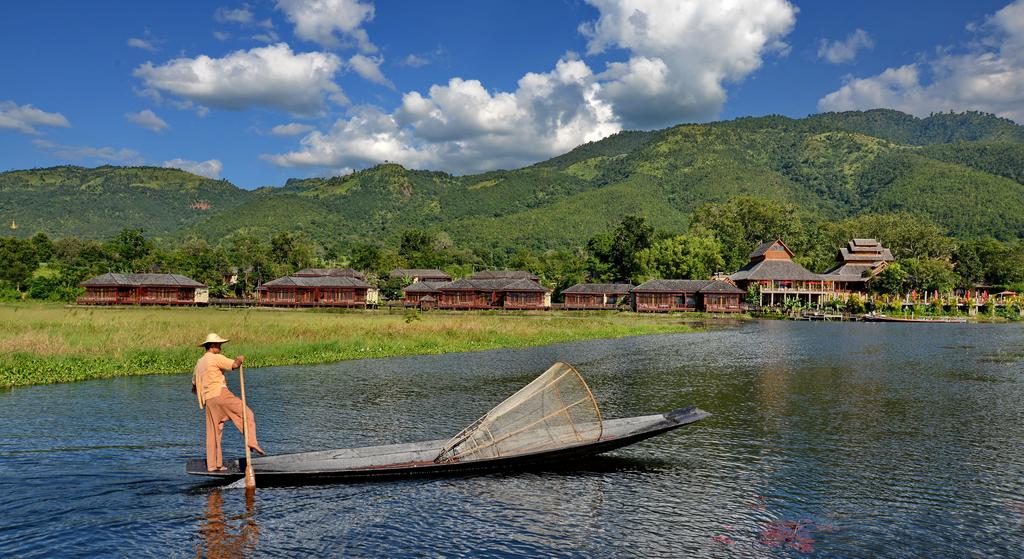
{"points": [[211, 388]]}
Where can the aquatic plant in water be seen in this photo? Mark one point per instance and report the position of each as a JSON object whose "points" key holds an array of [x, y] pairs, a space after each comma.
{"points": [[723, 539], [789, 533]]}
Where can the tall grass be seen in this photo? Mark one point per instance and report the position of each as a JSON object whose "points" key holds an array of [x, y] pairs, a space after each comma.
{"points": [[47, 343]]}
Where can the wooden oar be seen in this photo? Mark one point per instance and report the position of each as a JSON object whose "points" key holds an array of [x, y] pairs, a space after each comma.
{"points": [[250, 477]]}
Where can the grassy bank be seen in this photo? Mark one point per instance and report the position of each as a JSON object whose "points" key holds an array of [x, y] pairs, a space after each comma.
{"points": [[46, 343]]}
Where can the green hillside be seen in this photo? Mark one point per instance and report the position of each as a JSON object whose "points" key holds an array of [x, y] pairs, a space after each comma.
{"points": [[964, 171], [96, 203]]}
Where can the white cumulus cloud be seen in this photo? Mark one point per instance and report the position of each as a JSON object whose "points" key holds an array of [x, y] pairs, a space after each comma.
{"points": [[124, 156], [369, 68], [291, 129], [269, 36], [241, 16], [331, 23], [271, 76], [143, 44], [463, 127], [986, 74], [25, 118], [678, 58], [682, 53], [210, 168], [414, 61], [148, 120], [838, 52]]}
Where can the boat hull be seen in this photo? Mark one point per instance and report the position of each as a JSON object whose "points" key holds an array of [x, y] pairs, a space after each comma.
{"points": [[416, 459]]}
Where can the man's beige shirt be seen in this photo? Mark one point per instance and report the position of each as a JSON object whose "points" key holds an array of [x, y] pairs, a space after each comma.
{"points": [[209, 376]]}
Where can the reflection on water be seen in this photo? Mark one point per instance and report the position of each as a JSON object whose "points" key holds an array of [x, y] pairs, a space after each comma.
{"points": [[228, 537], [832, 440]]}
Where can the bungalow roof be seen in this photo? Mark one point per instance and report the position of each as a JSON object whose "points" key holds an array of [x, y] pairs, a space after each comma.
{"points": [[499, 284], [140, 280], [526, 285], [601, 288], [316, 281], [686, 286], [717, 286], [424, 286]]}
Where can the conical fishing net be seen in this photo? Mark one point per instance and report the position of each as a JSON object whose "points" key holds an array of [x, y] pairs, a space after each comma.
{"points": [[557, 409]]}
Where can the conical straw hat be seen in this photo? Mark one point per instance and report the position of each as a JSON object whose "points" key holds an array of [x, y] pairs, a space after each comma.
{"points": [[212, 338]]}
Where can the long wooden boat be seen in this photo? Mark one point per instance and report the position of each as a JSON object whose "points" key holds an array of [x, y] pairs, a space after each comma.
{"points": [[420, 458], [938, 320]]}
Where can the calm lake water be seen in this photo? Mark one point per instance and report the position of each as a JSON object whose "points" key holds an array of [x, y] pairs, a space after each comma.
{"points": [[852, 440]]}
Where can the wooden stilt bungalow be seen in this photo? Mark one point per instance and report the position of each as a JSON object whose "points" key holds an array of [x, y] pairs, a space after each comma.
{"points": [[415, 293], [594, 296], [721, 296], [415, 275], [674, 295], [143, 289], [772, 271], [506, 293], [317, 291]]}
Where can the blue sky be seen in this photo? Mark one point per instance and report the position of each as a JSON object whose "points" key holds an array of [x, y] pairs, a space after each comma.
{"points": [[261, 91]]}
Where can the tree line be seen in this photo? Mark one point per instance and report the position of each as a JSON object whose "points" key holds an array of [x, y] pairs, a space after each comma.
{"points": [[719, 238]]}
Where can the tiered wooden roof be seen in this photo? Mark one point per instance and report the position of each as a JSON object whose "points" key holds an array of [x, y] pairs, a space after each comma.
{"points": [[859, 260], [141, 280], [865, 250]]}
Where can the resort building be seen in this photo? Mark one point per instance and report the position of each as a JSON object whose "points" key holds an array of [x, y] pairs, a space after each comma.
{"points": [[418, 275], [318, 291], [422, 294], [143, 289], [596, 295], [859, 261], [493, 293], [660, 295], [773, 273]]}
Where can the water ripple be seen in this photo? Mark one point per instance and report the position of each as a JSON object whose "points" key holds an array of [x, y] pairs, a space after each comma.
{"points": [[860, 440]]}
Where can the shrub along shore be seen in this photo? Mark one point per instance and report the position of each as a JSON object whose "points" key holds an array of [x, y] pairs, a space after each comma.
{"points": [[44, 343]]}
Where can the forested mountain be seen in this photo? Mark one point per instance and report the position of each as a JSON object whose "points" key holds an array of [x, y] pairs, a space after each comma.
{"points": [[962, 171], [97, 203]]}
